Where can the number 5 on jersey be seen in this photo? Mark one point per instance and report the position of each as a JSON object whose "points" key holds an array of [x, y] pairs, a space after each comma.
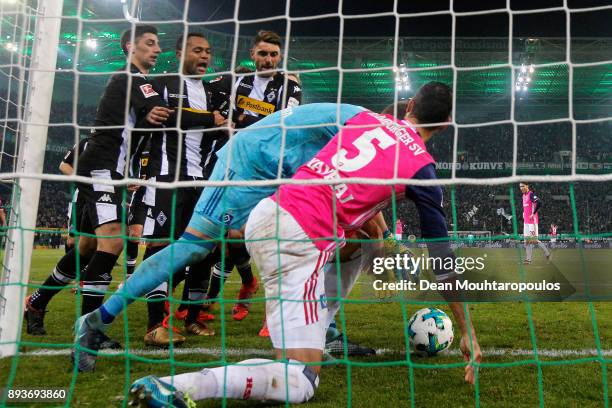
{"points": [[366, 148]]}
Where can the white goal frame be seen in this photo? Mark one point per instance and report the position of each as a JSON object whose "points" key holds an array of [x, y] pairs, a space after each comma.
{"points": [[32, 141]]}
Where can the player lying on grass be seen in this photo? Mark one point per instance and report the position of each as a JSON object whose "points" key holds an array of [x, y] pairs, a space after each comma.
{"points": [[293, 233], [264, 151]]}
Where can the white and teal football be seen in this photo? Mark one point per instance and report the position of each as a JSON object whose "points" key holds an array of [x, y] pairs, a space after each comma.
{"points": [[430, 331]]}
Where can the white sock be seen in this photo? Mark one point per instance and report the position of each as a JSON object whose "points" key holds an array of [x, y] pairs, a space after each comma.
{"points": [[349, 272], [528, 250], [258, 379], [543, 248]]}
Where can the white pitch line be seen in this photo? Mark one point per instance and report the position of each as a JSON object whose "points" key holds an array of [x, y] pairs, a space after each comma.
{"points": [[235, 352]]}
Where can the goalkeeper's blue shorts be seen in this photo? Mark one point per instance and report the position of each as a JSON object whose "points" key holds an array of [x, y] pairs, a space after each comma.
{"points": [[228, 207]]}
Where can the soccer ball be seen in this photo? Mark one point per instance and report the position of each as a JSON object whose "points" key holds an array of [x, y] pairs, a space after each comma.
{"points": [[430, 331]]}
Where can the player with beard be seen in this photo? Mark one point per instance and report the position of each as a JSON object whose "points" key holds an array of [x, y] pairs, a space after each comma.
{"points": [[257, 95], [197, 147]]}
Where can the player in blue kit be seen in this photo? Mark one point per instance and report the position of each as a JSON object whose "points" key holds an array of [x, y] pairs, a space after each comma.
{"points": [[271, 148]]}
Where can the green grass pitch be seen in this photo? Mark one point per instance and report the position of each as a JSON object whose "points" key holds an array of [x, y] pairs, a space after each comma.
{"points": [[566, 372]]}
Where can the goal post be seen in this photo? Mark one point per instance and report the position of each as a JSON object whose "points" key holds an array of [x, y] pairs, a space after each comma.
{"points": [[30, 159]]}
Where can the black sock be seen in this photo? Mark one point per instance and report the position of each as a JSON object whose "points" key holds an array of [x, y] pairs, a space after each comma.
{"points": [[96, 279], [185, 294], [131, 253], [197, 282], [155, 309], [242, 260], [62, 275], [178, 278]]}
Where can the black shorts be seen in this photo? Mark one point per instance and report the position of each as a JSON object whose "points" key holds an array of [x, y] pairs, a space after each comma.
{"points": [[102, 204], [138, 208], [159, 214]]}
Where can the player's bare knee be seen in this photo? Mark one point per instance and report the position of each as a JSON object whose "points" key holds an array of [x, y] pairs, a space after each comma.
{"points": [[87, 245], [110, 245], [135, 231]]}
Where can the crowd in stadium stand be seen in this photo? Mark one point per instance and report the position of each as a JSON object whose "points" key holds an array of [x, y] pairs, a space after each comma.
{"points": [[54, 205], [477, 208], [536, 143]]}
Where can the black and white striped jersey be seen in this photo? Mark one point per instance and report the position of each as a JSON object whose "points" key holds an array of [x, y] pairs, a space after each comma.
{"points": [[199, 139], [256, 97], [107, 148]]}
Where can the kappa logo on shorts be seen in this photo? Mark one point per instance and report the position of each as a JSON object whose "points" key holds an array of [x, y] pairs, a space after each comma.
{"points": [[105, 199], [161, 218], [148, 91], [149, 212]]}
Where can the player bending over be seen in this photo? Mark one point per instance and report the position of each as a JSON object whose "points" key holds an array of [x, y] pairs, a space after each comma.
{"points": [[531, 207], [293, 233], [254, 153]]}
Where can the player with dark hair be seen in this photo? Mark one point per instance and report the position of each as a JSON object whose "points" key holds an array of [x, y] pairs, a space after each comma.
{"points": [[257, 95], [531, 206], [107, 158], [165, 213], [311, 220], [553, 233]]}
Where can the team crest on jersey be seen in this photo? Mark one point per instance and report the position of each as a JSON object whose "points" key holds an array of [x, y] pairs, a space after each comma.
{"points": [[161, 218], [227, 218], [271, 96], [147, 90]]}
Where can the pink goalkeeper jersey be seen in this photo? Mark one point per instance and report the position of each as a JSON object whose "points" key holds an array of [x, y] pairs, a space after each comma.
{"points": [[529, 202], [368, 152]]}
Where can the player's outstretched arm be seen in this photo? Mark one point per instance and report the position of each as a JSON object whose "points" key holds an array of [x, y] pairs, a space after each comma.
{"points": [[469, 344], [428, 201]]}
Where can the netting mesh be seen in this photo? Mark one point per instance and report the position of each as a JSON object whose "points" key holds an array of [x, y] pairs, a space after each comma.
{"points": [[483, 155]]}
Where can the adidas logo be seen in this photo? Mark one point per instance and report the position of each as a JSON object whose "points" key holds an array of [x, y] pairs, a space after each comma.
{"points": [[105, 199]]}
